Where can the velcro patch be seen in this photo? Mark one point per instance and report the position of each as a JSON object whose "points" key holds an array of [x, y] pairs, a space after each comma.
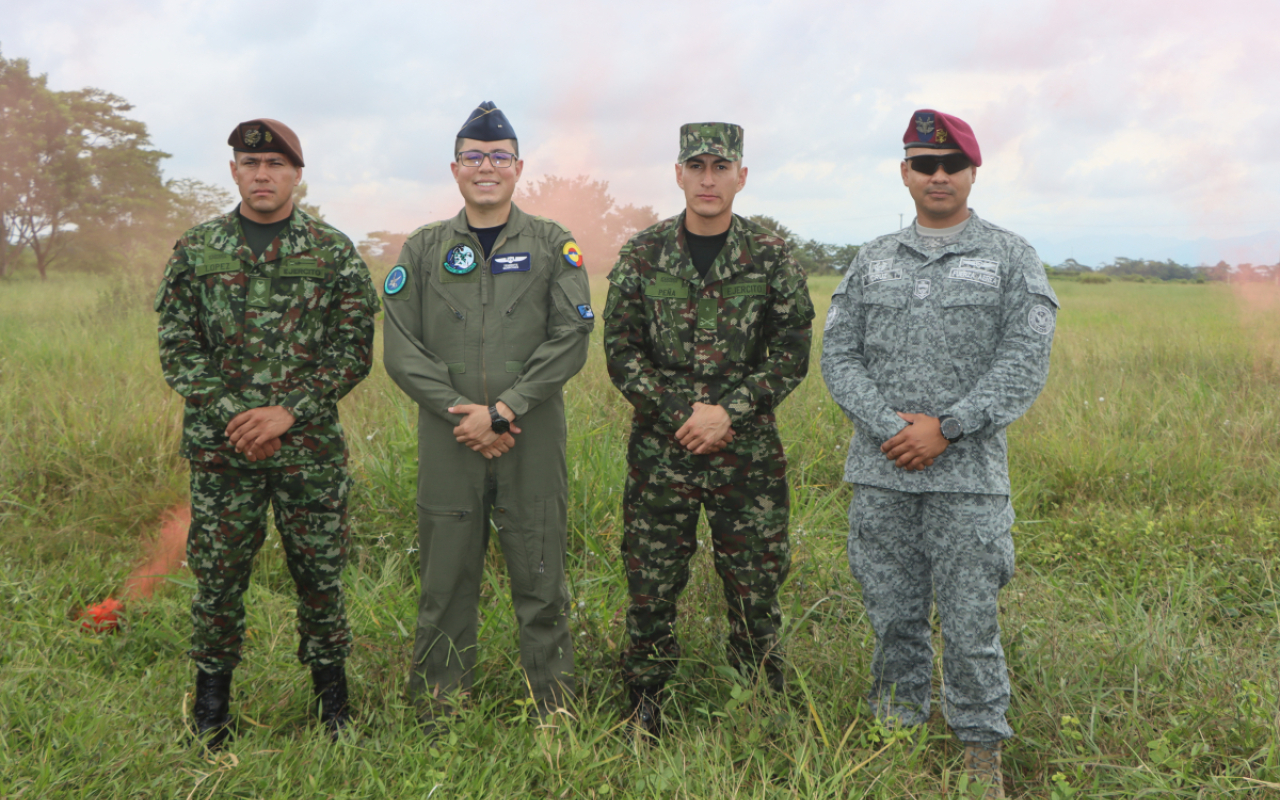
{"points": [[708, 310], [745, 289], [963, 273], [1041, 320], [510, 262], [396, 280], [302, 268], [260, 292], [881, 271], [217, 264], [667, 285], [585, 311], [981, 264]]}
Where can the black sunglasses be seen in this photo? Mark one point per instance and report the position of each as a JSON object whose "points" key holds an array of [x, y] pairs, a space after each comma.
{"points": [[951, 163]]}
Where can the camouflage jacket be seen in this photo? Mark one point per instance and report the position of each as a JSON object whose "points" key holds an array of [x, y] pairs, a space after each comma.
{"points": [[739, 338], [963, 329], [293, 328]]}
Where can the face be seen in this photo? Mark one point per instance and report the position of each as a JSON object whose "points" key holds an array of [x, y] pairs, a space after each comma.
{"points": [[266, 182], [942, 200], [486, 186], [710, 183]]}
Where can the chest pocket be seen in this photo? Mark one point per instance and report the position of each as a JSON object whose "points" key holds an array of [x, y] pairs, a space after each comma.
{"points": [[884, 306], [301, 289], [742, 319], [222, 283], [971, 318], [666, 299]]}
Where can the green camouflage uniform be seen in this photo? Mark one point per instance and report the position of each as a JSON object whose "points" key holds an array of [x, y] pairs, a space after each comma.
{"points": [[738, 338], [294, 328], [961, 326], [513, 327]]}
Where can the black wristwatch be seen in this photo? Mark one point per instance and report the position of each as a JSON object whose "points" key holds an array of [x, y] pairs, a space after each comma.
{"points": [[952, 430], [498, 423]]}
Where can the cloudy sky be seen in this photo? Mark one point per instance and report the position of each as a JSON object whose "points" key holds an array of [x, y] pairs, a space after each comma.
{"points": [[1133, 123]]}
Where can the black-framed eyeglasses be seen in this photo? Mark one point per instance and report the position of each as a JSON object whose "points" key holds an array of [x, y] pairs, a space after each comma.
{"points": [[474, 158], [950, 163]]}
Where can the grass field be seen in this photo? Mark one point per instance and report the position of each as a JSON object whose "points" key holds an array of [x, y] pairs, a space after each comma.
{"points": [[1142, 629]]}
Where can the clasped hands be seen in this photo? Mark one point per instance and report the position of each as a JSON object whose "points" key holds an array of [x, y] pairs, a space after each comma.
{"points": [[256, 433], [706, 431], [916, 446], [476, 429]]}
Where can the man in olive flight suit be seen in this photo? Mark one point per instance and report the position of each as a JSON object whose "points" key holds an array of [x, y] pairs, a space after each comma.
{"points": [[938, 338], [707, 329], [266, 321], [488, 316]]}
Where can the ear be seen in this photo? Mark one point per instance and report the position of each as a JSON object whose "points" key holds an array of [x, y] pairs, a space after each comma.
{"points": [[232, 162], [297, 180], [974, 178], [680, 175], [903, 166], [519, 167], [453, 167], [742, 177]]}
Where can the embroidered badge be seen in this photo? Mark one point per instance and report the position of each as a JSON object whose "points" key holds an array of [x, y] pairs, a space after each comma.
{"points": [[833, 314], [252, 137], [881, 271], [260, 292], [924, 127], [573, 254], [510, 262], [460, 260], [963, 273], [396, 280], [941, 136], [585, 311], [922, 288], [267, 136], [1041, 320]]}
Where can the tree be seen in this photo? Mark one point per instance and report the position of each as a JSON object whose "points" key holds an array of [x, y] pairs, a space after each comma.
{"points": [[585, 207], [193, 201], [300, 200], [382, 247], [813, 256]]}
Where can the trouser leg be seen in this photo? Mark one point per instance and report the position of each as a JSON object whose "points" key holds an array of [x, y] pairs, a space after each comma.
{"points": [[228, 525], [310, 505], [970, 537], [748, 522], [659, 536], [452, 538], [887, 556], [533, 535]]}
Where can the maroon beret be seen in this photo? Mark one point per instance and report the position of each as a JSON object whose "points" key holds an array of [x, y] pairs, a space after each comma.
{"points": [[940, 131], [266, 136]]}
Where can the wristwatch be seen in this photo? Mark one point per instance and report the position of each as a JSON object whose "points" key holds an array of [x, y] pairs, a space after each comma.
{"points": [[952, 430], [498, 423]]}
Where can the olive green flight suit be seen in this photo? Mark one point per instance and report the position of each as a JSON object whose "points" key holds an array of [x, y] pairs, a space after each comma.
{"points": [[514, 328]]}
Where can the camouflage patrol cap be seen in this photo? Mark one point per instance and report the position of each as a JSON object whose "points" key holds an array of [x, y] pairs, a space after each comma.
{"points": [[266, 136], [722, 139]]}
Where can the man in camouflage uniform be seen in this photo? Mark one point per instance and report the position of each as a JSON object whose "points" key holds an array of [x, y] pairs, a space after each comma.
{"points": [[488, 316], [938, 338], [266, 321], [707, 329]]}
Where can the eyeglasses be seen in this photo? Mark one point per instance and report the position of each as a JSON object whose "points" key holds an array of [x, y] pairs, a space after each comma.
{"points": [[474, 158], [951, 163]]}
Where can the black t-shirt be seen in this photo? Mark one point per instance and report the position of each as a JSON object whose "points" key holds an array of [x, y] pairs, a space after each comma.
{"points": [[704, 249], [258, 235], [488, 236]]}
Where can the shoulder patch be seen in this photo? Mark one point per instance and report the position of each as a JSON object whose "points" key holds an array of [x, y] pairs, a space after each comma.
{"points": [[573, 254], [585, 311], [396, 280]]}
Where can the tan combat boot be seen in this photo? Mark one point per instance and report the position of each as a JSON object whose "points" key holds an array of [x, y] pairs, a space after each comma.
{"points": [[982, 764]]}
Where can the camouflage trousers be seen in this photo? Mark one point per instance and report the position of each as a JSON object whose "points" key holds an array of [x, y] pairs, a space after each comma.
{"points": [[909, 550], [228, 527], [748, 521]]}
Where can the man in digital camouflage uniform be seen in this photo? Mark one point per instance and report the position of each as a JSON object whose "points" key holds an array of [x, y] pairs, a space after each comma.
{"points": [[707, 329], [266, 321], [937, 339], [488, 316]]}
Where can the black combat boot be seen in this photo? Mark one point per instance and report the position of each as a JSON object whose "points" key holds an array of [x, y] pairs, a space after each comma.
{"points": [[644, 717], [209, 712], [330, 684]]}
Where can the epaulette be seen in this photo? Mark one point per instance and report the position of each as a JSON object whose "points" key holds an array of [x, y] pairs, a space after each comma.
{"points": [[551, 221], [426, 227]]}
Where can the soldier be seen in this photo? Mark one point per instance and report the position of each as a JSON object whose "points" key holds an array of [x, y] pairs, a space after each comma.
{"points": [[266, 321], [488, 316], [937, 339], [707, 329]]}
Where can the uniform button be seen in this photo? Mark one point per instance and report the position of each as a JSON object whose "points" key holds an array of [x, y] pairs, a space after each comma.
{"points": [[502, 511]]}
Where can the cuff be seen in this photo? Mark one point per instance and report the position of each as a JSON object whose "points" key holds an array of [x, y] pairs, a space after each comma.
{"points": [[517, 403]]}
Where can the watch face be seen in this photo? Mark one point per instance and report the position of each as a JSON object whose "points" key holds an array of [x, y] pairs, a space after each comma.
{"points": [[951, 429]]}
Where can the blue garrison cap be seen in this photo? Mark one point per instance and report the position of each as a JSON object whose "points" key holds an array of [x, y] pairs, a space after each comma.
{"points": [[487, 124]]}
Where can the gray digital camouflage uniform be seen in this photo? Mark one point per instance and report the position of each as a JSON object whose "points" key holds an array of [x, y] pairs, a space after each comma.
{"points": [[739, 338], [961, 328], [293, 327]]}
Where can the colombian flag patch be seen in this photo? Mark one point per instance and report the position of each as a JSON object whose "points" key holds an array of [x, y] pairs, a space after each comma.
{"points": [[573, 254]]}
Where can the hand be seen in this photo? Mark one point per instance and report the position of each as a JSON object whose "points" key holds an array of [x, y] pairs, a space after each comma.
{"points": [[476, 429], [707, 429], [918, 444], [250, 430], [264, 452]]}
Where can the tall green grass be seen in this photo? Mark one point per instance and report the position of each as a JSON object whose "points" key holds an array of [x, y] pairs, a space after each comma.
{"points": [[1141, 630]]}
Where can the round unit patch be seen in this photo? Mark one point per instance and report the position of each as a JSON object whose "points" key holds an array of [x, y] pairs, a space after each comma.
{"points": [[396, 279], [1041, 320], [573, 254], [460, 260]]}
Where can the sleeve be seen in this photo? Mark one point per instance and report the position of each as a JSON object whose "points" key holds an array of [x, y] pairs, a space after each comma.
{"points": [[419, 373], [788, 335], [1021, 364], [563, 352], [347, 355], [844, 366], [186, 353], [653, 396]]}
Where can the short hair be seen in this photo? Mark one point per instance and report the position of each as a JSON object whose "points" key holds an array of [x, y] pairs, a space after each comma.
{"points": [[457, 146]]}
